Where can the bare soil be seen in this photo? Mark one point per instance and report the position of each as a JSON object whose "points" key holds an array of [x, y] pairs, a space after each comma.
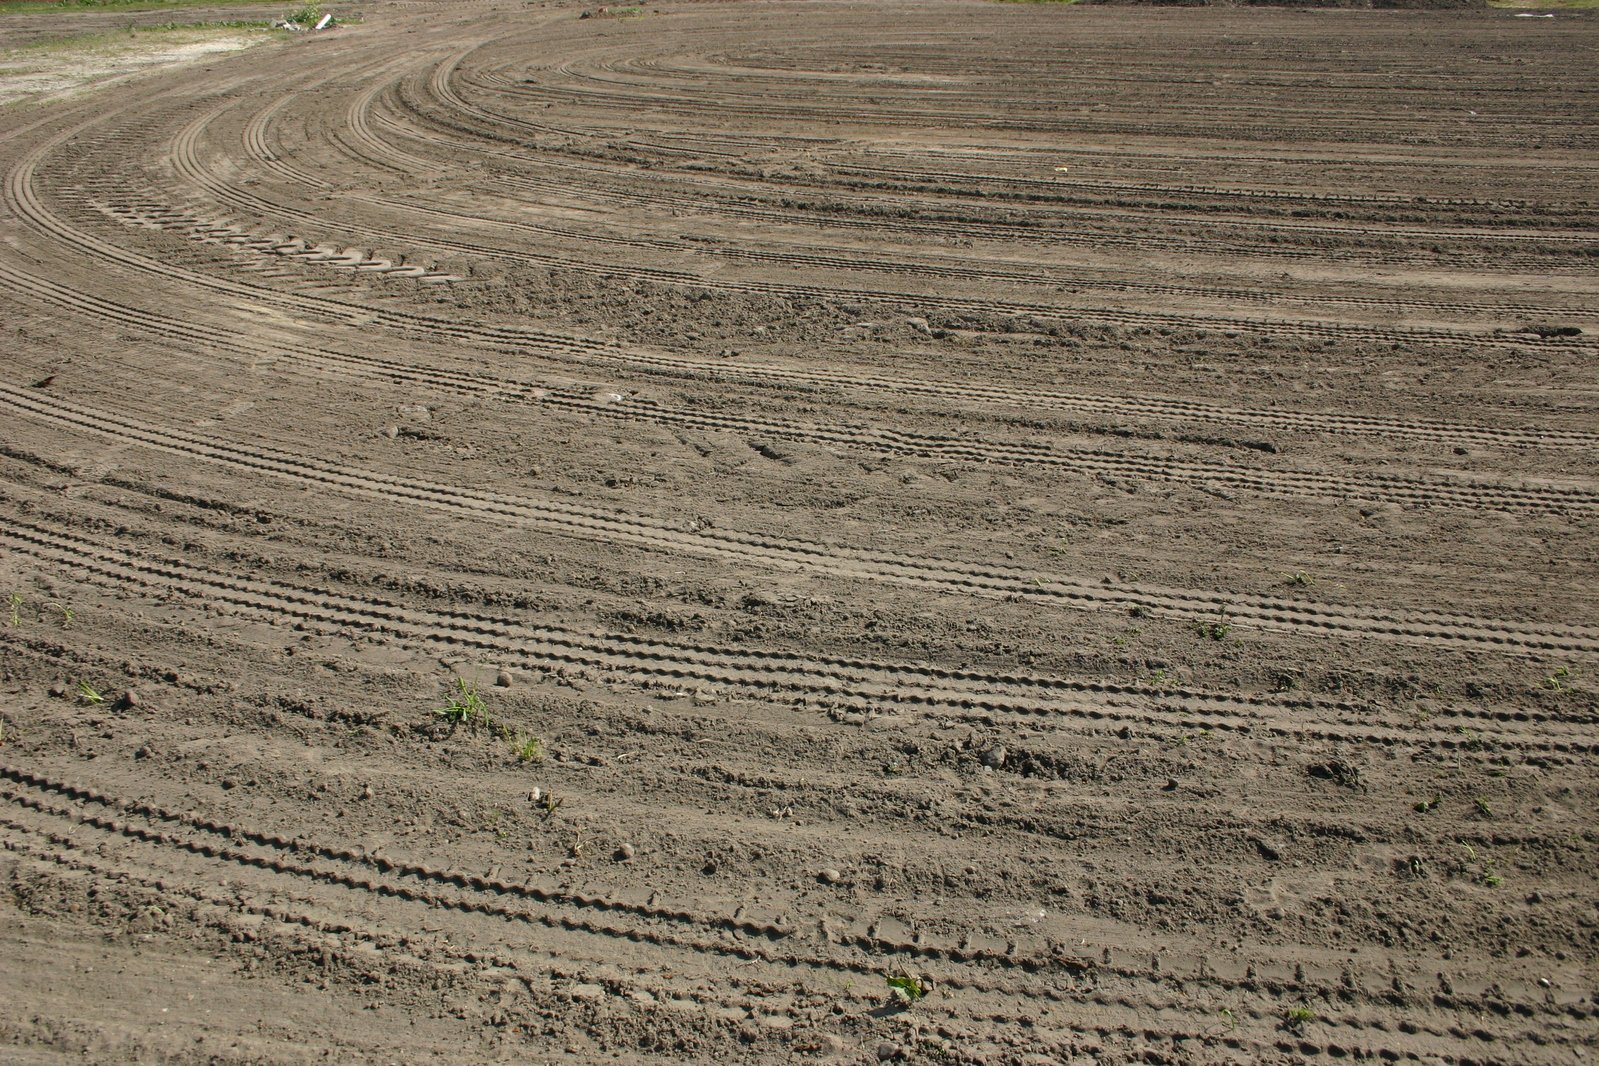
{"points": [[47, 73], [1090, 510]]}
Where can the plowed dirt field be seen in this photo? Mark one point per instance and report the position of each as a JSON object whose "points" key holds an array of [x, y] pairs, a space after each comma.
{"points": [[661, 536]]}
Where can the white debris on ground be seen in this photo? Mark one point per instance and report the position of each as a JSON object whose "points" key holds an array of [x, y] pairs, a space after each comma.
{"points": [[299, 27]]}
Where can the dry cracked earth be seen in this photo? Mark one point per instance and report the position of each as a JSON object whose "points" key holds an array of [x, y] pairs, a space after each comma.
{"points": [[661, 536]]}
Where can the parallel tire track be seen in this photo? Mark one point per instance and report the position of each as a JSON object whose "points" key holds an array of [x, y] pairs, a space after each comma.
{"points": [[797, 555], [99, 834], [864, 683]]}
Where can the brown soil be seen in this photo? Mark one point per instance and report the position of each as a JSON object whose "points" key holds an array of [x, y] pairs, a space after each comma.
{"points": [[1093, 510]]}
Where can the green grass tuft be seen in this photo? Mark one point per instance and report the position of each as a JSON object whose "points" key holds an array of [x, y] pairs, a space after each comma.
{"points": [[466, 706]]}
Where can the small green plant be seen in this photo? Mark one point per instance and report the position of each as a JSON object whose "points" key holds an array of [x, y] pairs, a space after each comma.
{"points": [[906, 988], [1558, 681], [528, 748], [67, 613], [88, 694], [305, 16], [1301, 579], [1298, 1017], [1424, 806], [16, 609], [1216, 630], [466, 706], [1482, 806]]}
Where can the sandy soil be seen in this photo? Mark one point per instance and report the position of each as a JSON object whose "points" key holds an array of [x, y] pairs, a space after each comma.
{"points": [[1090, 511], [42, 74]]}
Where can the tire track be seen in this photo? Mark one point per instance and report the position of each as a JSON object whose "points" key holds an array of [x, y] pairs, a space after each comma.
{"points": [[927, 179], [770, 552], [156, 216], [863, 683], [1391, 488], [568, 347], [73, 833], [184, 149], [376, 152], [20, 183], [192, 850]]}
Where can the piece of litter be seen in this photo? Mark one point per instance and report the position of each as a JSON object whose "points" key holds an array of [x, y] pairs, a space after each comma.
{"points": [[324, 23], [1062, 170]]}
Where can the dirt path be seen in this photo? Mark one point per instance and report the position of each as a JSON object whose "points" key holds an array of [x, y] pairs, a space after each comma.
{"points": [[1089, 510]]}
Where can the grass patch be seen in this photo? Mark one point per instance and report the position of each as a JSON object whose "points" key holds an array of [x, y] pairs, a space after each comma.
{"points": [[466, 706], [125, 39], [45, 7]]}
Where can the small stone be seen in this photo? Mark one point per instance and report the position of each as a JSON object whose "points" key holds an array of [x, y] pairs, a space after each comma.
{"points": [[503, 679], [829, 876], [994, 757], [58, 690], [709, 869], [588, 993], [1544, 982], [624, 853], [366, 792], [536, 796], [391, 431], [1170, 785], [130, 698], [888, 1051]]}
